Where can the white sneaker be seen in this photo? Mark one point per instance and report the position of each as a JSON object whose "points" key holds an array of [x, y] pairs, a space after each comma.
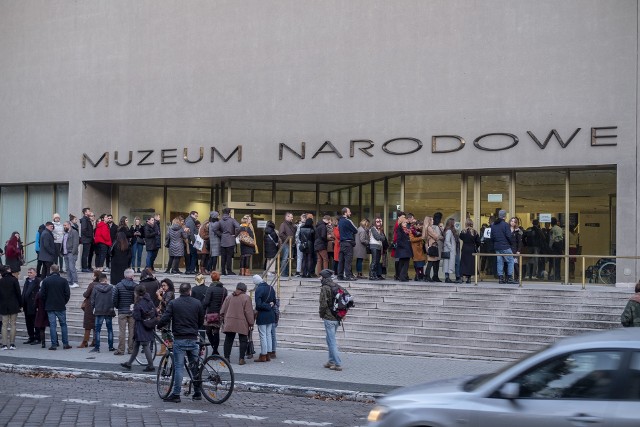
{"points": [[106, 270], [12, 347], [4, 347], [75, 285]]}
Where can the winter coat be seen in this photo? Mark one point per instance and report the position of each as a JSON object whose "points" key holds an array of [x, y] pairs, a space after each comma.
{"points": [[102, 300], [450, 243], [631, 314], [42, 319], [86, 230], [362, 241], [326, 299], [516, 241], [270, 242], [10, 295], [55, 292], [470, 244], [227, 229], [336, 244], [246, 249], [73, 241], [501, 235], [177, 236], [58, 232], [29, 292], [376, 238], [198, 292], [47, 247], [308, 235], [88, 319], [123, 295], [417, 247], [435, 236], [103, 235], [214, 297], [403, 245], [137, 229], [265, 297], [119, 263], [348, 231], [143, 309], [150, 235], [321, 242], [14, 254], [237, 313], [187, 316], [152, 286], [167, 297], [214, 240], [286, 230], [190, 223], [203, 232]]}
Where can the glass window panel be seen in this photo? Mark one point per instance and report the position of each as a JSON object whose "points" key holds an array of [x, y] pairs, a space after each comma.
{"points": [[591, 228], [427, 194], [251, 191], [378, 210], [494, 195], [39, 211], [12, 216], [470, 212], [62, 202], [296, 193], [393, 197], [144, 202], [367, 201]]}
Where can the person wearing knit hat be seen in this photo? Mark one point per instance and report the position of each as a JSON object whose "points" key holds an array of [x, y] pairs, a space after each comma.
{"points": [[265, 301], [326, 273]]}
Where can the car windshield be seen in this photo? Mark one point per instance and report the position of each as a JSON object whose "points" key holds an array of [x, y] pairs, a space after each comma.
{"points": [[479, 380]]}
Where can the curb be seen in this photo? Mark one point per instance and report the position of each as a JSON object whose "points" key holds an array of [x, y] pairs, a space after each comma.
{"points": [[309, 392]]}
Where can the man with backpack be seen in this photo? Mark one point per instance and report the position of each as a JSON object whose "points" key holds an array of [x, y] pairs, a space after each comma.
{"points": [[331, 317]]}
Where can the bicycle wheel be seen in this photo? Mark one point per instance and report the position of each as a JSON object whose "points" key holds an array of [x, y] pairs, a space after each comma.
{"points": [[142, 359], [607, 273], [164, 378], [217, 379]]}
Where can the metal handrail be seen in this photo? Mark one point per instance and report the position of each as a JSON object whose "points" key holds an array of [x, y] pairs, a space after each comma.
{"points": [[276, 260], [477, 256]]}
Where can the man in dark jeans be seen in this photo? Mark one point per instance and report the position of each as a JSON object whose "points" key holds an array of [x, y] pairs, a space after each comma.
{"points": [[86, 238], [187, 315], [347, 242], [227, 229]]}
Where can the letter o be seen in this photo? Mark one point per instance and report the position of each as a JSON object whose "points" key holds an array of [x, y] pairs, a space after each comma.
{"points": [[476, 142], [395, 153]]}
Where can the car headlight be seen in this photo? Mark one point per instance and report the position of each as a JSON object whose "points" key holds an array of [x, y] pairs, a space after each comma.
{"points": [[377, 414]]}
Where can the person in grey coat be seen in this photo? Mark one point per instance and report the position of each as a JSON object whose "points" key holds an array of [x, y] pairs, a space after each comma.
{"points": [[214, 242], [227, 229], [102, 305], [47, 254], [177, 236], [191, 259], [70, 245], [360, 250]]}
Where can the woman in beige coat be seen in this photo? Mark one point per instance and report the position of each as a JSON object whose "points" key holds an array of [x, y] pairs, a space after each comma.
{"points": [[434, 237], [237, 316]]}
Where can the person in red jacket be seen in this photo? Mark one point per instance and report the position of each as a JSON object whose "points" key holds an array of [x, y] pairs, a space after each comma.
{"points": [[102, 240]]}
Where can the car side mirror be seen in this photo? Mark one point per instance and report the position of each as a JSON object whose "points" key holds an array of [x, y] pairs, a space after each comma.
{"points": [[510, 391]]}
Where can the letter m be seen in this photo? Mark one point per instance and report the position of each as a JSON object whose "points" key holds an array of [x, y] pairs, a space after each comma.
{"points": [[86, 158], [215, 151]]}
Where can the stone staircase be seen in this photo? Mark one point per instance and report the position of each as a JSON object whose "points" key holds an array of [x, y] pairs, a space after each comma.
{"points": [[459, 321], [488, 322]]}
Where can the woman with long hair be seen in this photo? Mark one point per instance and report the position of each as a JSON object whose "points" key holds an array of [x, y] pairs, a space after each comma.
{"points": [[246, 250], [516, 245], [212, 303], [137, 243], [88, 318], [237, 318], [165, 295], [470, 239], [451, 247], [120, 257], [435, 239]]}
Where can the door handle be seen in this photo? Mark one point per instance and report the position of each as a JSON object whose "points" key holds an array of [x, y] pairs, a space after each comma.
{"points": [[581, 419]]}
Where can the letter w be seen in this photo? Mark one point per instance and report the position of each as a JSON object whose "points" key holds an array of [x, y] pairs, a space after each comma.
{"points": [[555, 133]]}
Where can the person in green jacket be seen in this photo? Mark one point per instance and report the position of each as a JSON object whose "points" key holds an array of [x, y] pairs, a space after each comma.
{"points": [[631, 314]]}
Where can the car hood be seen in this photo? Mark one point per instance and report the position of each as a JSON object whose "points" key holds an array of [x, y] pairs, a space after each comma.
{"points": [[442, 392]]}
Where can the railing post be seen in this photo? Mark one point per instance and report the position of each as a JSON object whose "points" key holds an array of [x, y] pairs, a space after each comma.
{"points": [[584, 285], [278, 274], [476, 256], [290, 256], [519, 270]]}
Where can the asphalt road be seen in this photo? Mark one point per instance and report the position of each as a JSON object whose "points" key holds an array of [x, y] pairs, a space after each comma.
{"points": [[27, 400]]}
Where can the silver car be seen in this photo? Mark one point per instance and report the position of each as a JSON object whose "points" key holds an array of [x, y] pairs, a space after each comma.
{"points": [[586, 380]]}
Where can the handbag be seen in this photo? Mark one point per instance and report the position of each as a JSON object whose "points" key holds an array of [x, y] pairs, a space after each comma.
{"points": [[245, 239], [445, 255], [152, 321], [212, 318], [199, 243], [432, 251]]}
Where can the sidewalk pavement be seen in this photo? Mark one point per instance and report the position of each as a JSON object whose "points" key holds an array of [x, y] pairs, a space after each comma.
{"points": [[299, 372]]}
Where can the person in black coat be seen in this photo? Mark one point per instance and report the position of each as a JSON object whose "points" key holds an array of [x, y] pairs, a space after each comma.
{"points": [[10, 302], [151, 284], [270, 245], [212, 303], [150, 234], [47, 254], [120, 257], [321, 243], [55, 293], [403, 250], [307, 242], [143, 308], [470, 243], [29, 306]]}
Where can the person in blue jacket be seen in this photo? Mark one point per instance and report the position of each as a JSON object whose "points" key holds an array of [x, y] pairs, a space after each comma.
{"points": [[501, 237]]}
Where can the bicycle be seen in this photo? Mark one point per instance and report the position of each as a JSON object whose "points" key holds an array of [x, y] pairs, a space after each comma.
{"points": [[213, 373], [158, 341]]}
